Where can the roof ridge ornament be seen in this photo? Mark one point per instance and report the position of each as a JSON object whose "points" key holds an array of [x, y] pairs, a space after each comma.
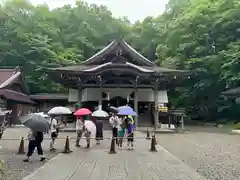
{"points": [[119, 60]]}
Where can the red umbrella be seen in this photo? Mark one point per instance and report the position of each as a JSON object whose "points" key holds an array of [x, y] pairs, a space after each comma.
{"points": [[82, 112]]}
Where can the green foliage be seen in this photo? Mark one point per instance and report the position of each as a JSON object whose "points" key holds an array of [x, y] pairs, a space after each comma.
{"points": [[198, 35]]}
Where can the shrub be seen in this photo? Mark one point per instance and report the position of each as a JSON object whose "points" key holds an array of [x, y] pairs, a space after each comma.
{"points": [[236, 126]]}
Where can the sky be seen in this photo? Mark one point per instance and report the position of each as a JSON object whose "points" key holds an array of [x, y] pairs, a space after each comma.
{"points": [[133, 9]]}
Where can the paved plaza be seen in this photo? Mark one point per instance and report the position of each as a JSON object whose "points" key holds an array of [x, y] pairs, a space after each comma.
{"points": [[97, 164]]}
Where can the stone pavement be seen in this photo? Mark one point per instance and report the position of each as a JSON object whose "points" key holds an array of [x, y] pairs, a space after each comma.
{"points": [[97, 164]]}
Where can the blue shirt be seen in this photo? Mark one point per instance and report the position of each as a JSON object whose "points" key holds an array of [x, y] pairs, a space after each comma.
{"points": [[130, 128]]}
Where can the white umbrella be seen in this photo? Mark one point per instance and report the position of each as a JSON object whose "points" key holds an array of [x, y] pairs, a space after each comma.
{"points": [[59, 111], [100, 112], [91, 127]]}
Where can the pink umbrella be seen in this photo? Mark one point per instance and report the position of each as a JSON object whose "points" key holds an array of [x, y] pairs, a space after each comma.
{"points": [[82, 112]]}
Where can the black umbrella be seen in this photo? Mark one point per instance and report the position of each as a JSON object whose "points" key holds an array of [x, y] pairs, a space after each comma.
{"points": [[35, 122], [113, 109]]}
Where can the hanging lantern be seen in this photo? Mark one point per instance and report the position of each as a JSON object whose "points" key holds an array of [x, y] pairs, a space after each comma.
{"points": [[132, 95]]}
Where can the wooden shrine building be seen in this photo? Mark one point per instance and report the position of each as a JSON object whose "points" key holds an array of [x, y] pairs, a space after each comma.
{"points": [[117, 75]]}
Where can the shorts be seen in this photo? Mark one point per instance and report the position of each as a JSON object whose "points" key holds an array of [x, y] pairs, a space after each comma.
{"points": [[54, 135], [79, 133], [87, 134], [130, 138]]}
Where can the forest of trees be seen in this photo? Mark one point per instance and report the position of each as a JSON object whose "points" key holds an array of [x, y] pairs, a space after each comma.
{"points": [[198, 35]]}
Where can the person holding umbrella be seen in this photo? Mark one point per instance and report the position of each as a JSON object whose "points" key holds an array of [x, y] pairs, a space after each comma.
{"points": [[97, 117], [81, 126], [35, 141], [38, 126], [130, 132], [99, 129], [79, 129], [54, 129]]}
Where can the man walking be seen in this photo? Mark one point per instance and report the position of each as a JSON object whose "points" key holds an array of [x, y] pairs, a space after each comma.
{"points": [[35, 141]]}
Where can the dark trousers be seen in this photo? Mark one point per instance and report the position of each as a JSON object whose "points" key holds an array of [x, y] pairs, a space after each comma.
{"points": [[34, 144], [115, 134]]}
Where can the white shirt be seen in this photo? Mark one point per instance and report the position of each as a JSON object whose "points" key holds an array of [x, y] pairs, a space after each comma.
{"points": [[114, 121], [53, 123], [79, 125]]}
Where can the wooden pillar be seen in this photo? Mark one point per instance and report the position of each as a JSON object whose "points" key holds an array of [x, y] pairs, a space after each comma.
{"points": [[156, 112], [182, 122], [136, 106], [80, 93], [101, 91]]}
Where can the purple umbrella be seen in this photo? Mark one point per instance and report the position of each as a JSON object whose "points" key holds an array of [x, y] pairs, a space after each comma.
{"points": [[127, 112]]}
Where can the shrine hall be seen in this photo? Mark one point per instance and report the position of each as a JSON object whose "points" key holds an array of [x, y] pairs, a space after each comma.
{"points": [[119, 75]]}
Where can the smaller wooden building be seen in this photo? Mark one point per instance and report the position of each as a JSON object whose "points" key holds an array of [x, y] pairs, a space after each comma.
{"points": [[47, 101], [14, 94]]}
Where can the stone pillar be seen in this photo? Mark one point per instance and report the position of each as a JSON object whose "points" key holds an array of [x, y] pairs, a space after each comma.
{"points": [[156, 112], [136, 106]]}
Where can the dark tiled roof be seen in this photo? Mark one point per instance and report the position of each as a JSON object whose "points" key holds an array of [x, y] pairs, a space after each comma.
{"points": [[113, 46], [45, 96], [82, 68], [5, 74], [15, 96]]}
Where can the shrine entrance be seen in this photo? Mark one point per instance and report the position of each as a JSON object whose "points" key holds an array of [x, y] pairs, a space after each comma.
{"points": [[118, 101]]}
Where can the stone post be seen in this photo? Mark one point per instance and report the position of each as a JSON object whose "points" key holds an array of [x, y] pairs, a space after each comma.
{"points": [[156, 112]]}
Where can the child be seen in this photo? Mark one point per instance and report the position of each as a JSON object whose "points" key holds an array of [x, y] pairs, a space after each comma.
{"points": [[35, 141], [121, 132], [130, 132], [88, 137]]}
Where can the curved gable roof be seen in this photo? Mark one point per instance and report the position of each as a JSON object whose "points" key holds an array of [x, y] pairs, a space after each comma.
{"points": [[96, 58]]}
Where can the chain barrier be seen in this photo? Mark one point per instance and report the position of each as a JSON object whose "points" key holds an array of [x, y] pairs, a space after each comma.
{"points": [[59, 138]]}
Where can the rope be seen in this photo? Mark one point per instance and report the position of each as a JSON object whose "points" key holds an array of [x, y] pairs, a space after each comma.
{"points": [[109, 138]]}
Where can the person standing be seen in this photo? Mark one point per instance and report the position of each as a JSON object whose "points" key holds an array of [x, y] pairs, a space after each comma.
{"points": [[54, 128], [79, 129], [99, 129], [121, 132], [114, 121], [35, 141], [87, 135], [130, 132]]}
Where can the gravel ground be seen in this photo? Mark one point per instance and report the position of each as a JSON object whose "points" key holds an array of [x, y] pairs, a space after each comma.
{"points": [[214, 155], [15, 168]]}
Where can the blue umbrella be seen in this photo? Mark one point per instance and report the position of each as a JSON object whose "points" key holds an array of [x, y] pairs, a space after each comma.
{"points": [[127, 108], [128, 112]]}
